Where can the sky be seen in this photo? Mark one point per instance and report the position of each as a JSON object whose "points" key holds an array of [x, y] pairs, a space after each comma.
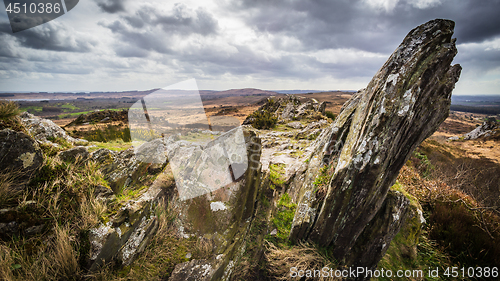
{"points": [[119, 45]]}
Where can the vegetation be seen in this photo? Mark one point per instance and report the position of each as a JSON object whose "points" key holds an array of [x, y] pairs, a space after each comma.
{"points": [[330, 115], [493, 110], [459, 230], [8, 109], [283, 218], [8, 116], [276, 174], [60, 202], [105, 134], [264, 120]]}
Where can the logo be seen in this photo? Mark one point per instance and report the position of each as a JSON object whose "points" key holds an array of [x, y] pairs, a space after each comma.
{"points": [[205, 153], [24, 14]]}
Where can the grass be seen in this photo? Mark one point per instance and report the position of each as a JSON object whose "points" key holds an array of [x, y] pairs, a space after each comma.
{"points": [[277, 174], [32, 109], [74, 114], [9, 112], [60, 197], [69, 107], [283, 219], [9, 191], [303, 256], [108, 134], [8, 109], [459, 231], [115, 145]]}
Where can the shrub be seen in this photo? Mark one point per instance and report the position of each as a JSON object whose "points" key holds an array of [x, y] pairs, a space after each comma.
{"points": [[330, 115], [264, 120]]}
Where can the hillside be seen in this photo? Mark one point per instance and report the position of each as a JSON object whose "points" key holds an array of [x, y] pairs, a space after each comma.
{"points": [[366, 182]]}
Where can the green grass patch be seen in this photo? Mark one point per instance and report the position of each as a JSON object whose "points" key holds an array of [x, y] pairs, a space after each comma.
{"points": [[283, 219], [32, 109], [115, 145], [277, 174]]}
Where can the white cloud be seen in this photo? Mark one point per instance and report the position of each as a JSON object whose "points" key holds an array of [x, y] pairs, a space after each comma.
{"points": [[382, 5]]}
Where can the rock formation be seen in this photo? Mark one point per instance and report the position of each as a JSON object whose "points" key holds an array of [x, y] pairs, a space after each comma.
{"points": [[372, 138], [46, 131]]}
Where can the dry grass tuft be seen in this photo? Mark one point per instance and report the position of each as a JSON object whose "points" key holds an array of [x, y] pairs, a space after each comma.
{"points": [[8, 109], [53, 258], [303, 257], [9, 190]]}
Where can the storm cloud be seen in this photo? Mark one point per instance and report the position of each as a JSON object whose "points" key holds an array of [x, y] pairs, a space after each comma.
{"points": [[280, 44]]}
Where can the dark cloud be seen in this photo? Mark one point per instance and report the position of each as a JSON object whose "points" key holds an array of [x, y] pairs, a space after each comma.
{"points": [[323, 24], [111, 6], [52, 36], [152, 30]]}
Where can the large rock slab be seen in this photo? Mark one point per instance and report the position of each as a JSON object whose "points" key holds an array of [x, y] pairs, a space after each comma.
{"points": [[45, 131], [19, 153], [376, 132]]}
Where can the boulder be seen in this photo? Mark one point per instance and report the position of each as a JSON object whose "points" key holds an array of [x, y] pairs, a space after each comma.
{"points": [[79, 153], [19, 153], [484, 130], [121, 169], [372, 138], [45, 131]]}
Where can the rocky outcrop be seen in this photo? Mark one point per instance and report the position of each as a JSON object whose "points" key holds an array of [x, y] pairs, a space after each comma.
{"points": [[484, 130], [289, 108], [79, 153], [374, 241], [101, 116], [372, 138], [19, 153], [46, 131], [224, 216], [127, 233], [121, 169]]}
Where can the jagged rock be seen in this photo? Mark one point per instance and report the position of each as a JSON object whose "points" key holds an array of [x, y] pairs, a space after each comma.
{"points": [[295, 125], [223, 216], [120, 169], [195, 270], [288, 112], [19, 153], [46, 131], [374, 241], [289, 108], [127, 233], [311, 130], [374, 135], [484, 130], [76, 153]]}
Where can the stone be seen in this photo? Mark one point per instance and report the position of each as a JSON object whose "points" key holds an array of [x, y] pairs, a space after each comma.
{"points": [[120, 169], [45, 131], [195, 270], [373, 137], [376, 237], [19, 153], [78, 153], [484, 130], [295, 125]]}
